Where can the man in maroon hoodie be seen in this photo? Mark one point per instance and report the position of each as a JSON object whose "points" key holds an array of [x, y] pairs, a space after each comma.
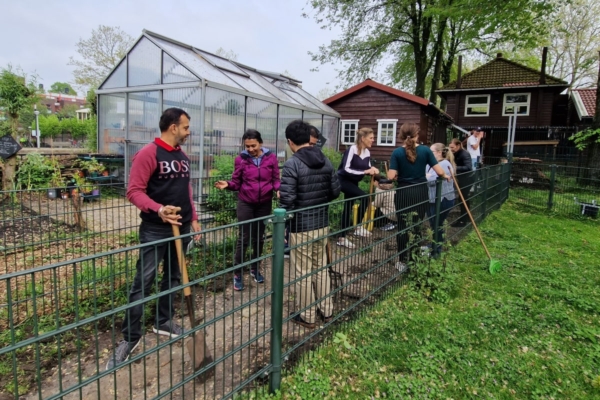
{"points": [[159, 182]]}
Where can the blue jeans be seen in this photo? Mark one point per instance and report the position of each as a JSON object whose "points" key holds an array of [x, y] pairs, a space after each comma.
{"points": [[146, 273], [438, 237]]}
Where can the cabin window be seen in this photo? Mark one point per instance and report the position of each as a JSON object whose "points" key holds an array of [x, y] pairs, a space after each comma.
{"points": [[348, 131], [477, 105], [386, 132], [518, 101]]}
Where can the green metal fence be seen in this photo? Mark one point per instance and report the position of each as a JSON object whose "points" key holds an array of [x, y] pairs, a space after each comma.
{"points": [[60, 316]]}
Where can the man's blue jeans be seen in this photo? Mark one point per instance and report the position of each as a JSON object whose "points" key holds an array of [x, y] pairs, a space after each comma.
{"points": [[146, 274]]}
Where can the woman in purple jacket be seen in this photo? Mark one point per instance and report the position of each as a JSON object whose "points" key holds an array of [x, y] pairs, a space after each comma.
{"points": [[256, 177]]}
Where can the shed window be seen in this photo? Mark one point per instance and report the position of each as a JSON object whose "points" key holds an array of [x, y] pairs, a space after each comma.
{"points": [[349, 128], [520, 101], [477, 106], [386, 132]]}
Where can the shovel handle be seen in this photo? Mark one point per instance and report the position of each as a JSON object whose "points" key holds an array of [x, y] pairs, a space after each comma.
{"points": [[181, 260]]}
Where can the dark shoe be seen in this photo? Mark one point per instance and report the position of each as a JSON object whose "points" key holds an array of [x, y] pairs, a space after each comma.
{"points": [[258, 278], [121, 354], [458, 224], [238, 283], [286, 253], [324, 318], [297, 319], [169, 328]]}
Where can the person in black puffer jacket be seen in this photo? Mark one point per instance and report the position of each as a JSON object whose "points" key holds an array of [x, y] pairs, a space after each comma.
{"points": [[308, 180], [464, 177]]}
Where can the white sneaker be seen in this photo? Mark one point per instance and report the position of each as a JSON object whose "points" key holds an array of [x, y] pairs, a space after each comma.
{"points": [[400, 266], [345, 243], [362, 232]]}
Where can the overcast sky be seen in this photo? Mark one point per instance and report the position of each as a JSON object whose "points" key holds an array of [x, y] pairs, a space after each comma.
{"points": [[40, 36]]}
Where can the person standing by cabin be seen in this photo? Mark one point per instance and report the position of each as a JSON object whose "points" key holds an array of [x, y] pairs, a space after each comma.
{"points": [[464, 178], [356, 163], [256, 177], [407, 166]]}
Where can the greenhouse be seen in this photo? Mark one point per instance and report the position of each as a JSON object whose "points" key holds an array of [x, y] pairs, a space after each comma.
{"points": [[223, 98]]}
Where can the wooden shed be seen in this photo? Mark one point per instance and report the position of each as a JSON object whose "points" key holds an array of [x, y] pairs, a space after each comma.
{"points": [[385, 109]]}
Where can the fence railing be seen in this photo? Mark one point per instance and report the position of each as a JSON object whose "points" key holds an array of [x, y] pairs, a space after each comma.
{"points": [[60, 319]]}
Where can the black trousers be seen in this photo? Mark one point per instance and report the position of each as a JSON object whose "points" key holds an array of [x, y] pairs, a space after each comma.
{"points": [[412, 203], [251, 233], [146, 274], [351, 191]]}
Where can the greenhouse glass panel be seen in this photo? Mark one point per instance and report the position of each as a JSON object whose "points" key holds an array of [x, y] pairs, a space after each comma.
{"points": [[286, 115], [118, 78], [313, 119], [190, 100], [262, 116], [144, 62], [195, 63], [222, 63], [173, 72], [223, 125], [274, 90], [248, 84], [297, 97], [313, 99], [111, 123], [330, 131], [144, 115]]}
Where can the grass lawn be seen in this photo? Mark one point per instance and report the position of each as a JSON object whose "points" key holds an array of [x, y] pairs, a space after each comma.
{"points": [[531, 331]]}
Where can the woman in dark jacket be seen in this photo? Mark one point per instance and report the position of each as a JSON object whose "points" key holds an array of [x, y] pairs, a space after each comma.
{"points": [[464, 178], [256, 177]]}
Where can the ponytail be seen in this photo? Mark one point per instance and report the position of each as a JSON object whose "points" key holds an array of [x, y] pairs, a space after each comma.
{"points": [[409, 134]]}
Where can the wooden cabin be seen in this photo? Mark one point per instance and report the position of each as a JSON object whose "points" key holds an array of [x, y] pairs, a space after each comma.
{"points": [[385, 109]]}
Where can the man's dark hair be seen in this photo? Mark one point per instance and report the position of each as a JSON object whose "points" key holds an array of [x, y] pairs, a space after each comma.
{"points": [[298, 132], [314, 132], [252, 134], [171, 116]]}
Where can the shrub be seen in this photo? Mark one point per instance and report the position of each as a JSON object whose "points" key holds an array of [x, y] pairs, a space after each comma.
{"points": [[36, 171]]}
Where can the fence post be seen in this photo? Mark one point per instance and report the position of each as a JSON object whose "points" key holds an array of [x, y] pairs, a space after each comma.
{"points": [[507, 170], [485, 174], [438, 209], [277, 299], [552, 182]]}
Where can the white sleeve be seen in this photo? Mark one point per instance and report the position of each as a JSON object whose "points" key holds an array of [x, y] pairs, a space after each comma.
{"points": [[351, 153]]}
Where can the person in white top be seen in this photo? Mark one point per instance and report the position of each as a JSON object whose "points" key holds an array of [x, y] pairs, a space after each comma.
{"points": [[474, 146]]}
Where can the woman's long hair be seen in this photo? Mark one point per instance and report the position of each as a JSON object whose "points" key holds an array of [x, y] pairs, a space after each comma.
{"points": [[362, 132], [446, 153], [409, 133]]}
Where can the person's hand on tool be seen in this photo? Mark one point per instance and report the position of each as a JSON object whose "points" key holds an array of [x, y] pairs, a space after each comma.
{"points": [[196, 228], [169, 214]]}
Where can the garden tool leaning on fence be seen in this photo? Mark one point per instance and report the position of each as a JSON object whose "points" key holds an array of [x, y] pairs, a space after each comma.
{"points": [[197, 345], [495, 265]]}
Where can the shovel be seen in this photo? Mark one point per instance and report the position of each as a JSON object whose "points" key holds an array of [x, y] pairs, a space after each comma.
{"points": [[495, 265], [197, 345]]}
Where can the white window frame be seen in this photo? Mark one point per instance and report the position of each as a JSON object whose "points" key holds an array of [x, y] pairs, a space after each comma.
{"points": [[487, 114], [342, 129], [379, 135], [527, 103]]}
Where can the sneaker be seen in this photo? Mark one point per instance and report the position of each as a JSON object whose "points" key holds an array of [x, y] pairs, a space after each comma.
{"points": [[362, 232], [297, 319], [286, 253], [401, 267], [324, 318], [458, 224], [257, 276], [388, 227], [121, 354], [345, 243], [169, 328], [238, 283]]}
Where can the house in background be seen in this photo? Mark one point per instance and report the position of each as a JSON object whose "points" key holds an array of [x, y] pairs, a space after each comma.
{"points": [[385, 109], [583, 107], [487, 96]]}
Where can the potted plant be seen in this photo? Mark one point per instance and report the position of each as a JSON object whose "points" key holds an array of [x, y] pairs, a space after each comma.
{"points": [[56, 183], [92, 167]]}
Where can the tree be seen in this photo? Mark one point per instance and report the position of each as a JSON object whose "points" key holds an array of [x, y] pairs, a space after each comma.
{"points": [[92, 101], [230, 55], [414, 43], [100, 53], [59, 87], [325, 93], [574, 42]]}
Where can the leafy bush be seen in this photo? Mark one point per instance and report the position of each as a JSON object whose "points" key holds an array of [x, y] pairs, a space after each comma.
{"points": [[36, 171], [222, 202]]}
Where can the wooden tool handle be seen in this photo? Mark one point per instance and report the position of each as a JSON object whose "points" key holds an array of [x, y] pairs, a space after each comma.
{"points": [[181, 260], [471, 217]]}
